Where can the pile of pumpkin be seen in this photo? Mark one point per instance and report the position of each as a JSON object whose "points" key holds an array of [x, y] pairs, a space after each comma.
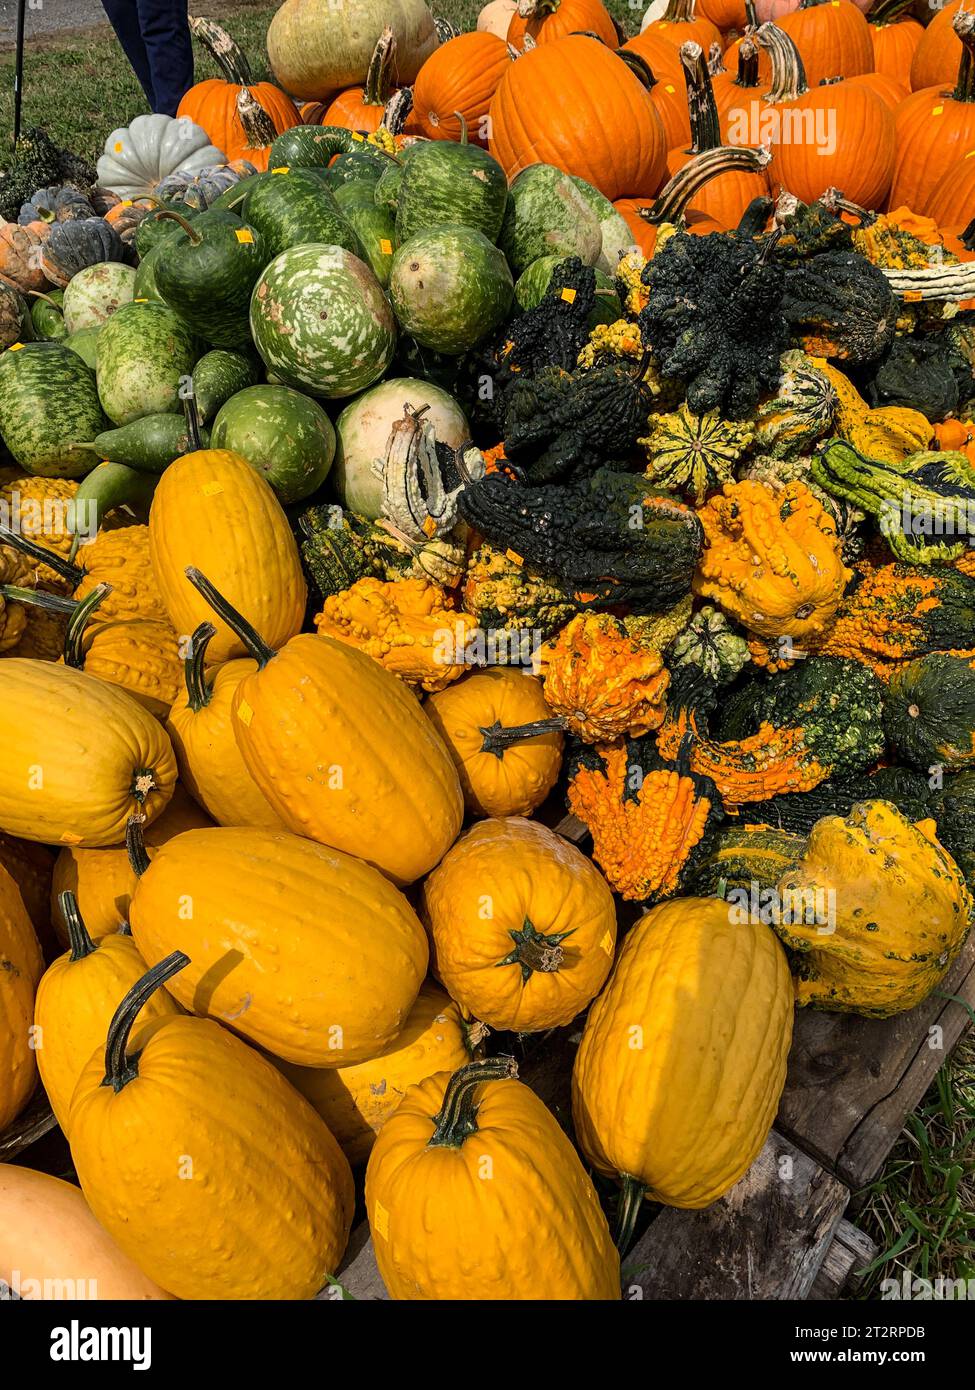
{"points": [[287, 855]]}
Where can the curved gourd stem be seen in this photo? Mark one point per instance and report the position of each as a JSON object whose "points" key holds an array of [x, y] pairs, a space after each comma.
{"points": [[135, 846], [834, 202], [463, 126], [751, 15], [701, 106], [887, 12], [222, 49], [120, 1069], [376, 87], [457, 1118], [788, 73], [639, 66], [37, 598], [964, 27], [168, 215], [747, 74], [755, 217], [237, 623], [628, 1208], [74, 638], [699, 170], [67, 571], [259, 130], [198, 692], [498, 738], [80, 942], [192, 417], [397, 110], [39, 294]]}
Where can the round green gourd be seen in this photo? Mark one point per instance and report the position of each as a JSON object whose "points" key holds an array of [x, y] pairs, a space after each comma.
{"points": [[546, 215], [293, 207], [451, 185], [308, 146], [94, 294], [450, 288], [47, 316], [929, 713], [285, 436], [320, 321], [48, 403], [143, 352], [145, 276], [153, 229], [206, 274]]}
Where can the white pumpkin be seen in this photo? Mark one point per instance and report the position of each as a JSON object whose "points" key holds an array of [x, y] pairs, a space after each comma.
{"points": [[318, 47], [362, 435], [496, 17], [137, 157]]}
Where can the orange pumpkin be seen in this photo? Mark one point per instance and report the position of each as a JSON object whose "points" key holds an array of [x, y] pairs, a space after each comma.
{"points": [[726, 14], [362, 108], [543, 21], [833, 39], [615, 139], [840, 135], [459, 79], [952, 200], [213, 104], [679, 24], [661, 55], [933, 127], [895, 37], [890, 91], [938, 51], [739, 91]]}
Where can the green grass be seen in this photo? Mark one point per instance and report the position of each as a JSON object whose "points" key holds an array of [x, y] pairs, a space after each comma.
{"points": [[79, 86]]}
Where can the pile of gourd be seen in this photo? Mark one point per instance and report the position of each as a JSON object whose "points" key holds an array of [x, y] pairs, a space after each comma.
{"points": [[280, 900]]}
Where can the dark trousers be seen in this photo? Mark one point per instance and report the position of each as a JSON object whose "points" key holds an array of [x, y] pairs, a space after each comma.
{"points": [[156, 38]]}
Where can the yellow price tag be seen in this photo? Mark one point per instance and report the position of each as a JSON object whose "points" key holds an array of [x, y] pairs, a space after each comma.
{"points": [[244, 713], [357, 135], [119, 147], [140, 301], [380, 1221], [669, 89], [514, 557], [282, 169], [244, 236], [15, 347], [126, 203], [607, 944], [386, 246], [912, 296], [211, 489], [937, 111], [569, 296]]}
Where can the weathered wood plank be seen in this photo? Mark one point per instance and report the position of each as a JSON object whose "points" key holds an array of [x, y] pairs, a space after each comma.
{"points": [[852, 1081], [850, 1251], [765, 1239]]}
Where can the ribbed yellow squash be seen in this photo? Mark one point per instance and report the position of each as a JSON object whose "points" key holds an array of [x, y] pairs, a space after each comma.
{"points": [[204, 1164], [343, 751], [76, 998], [80, 756], [304, 950], [103, 880], [51, 1246], [473, 1192], [356, 1101], [523, 925], [683, 1056], [211, 509], [877, 909], [202, 731], [21, 966]]}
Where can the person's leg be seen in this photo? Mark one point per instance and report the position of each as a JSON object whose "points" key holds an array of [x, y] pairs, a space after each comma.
{"points": [[166, 35], [124, 19]]}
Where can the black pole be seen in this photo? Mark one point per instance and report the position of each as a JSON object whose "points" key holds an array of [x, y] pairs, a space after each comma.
{"points": [[19, 68]]}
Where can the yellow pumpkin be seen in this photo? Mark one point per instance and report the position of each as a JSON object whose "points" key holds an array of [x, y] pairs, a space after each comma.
{"points": [[204, 1164], [503, 770], [474, 1192], [683, 1056], [201, 728], [306, 951], [103, 881], [356, 1101], [76, 998], [343, 751], [772, 560], [80, 756], [213, 510], [523, 925], [877, 910], [21, 966], [51, 1246]]}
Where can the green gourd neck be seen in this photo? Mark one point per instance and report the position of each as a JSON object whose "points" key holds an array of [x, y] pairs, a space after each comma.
{"points": [[79, 940], [456, 1120], [120, 1069], [238, 624], [199, 692]]}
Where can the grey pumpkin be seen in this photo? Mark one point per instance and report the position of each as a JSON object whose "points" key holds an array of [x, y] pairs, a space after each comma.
{"points": [[73, 246]]}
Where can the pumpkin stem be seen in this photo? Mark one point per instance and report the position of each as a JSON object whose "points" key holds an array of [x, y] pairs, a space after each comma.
{"points": [[498, 738], [463, 126], [237, 623], [834, 202], [74, 638], [198, 692], [398, 108], [964, 27], [71, 573], [886, 12], [456, 1119], [747, 74], [788, 73], [716, 60], [678, 12], [168, 215], [120, 1069], [751, 15], [376, 88], [639, 66], [135, 846], [753, 220], [78, 937], [627, 1210], [701, 106], [536, 951], [259, 129], [222, 49], [699, 169]]}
